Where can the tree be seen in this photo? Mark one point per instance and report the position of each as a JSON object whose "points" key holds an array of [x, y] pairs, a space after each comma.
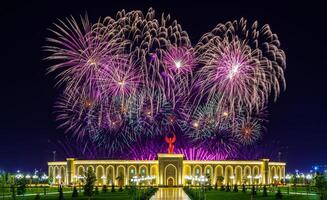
{"points": [[89, 182], [321, 184], [21, 186], [75, 192], [13, 192]]}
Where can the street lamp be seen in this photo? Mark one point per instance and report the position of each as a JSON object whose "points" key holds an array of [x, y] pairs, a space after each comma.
{"points": [[19, 175], [44, 177], [58, 177]]}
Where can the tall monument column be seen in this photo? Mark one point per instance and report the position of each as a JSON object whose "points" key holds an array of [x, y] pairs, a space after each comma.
{"points": [[264, 171], [70, 170]]}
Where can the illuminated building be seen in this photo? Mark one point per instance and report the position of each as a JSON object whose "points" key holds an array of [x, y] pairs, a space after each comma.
{"points": [[168, 170]]}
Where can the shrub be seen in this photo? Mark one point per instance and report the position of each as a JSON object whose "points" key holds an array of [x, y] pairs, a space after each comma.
{"points": [[254, 192], [104, 189], [243, 188], [279, 195], [61, 194], [75, 192], [228, 188], [222, 188], [37, 197], [113, 188], [265, 194], [96, 192], [120, 189], [235, 188]]}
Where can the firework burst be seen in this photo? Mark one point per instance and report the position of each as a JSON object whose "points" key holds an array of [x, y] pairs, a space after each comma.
{"points": [[249, 130], [80, 52], [244, 65]]}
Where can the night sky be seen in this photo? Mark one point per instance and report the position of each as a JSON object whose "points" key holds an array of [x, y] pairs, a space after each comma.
{"points": [[297, 119]]}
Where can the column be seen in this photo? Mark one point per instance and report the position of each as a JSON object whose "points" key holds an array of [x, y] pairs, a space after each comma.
{"points": [[70, 170], [264, 171]]}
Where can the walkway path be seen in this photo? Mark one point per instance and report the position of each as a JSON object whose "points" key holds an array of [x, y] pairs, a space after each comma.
{"points": [[170, 194]]}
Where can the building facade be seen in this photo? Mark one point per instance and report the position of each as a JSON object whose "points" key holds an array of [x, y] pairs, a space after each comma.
{"points": [[167, 170]]}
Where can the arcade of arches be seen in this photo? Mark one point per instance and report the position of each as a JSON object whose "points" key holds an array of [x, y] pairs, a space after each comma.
{"points": [[168, 170]]}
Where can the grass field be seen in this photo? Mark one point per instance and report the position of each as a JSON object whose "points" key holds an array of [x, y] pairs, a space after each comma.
{"points": [[53, 194], [289, 193], [213, 195], [68, 196]]}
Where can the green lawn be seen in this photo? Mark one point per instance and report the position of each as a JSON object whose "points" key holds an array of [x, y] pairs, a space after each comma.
{"points": [[213, 195], [109, 195], [52, 194], [33, 190]]}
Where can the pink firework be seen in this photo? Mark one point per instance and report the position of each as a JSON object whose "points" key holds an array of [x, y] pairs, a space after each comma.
{"points": [[80, 52], [244, 65], [119, 78], [179, 60]]}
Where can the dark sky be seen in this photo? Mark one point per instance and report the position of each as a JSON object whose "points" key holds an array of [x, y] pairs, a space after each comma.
{"points": [[297, 119]]}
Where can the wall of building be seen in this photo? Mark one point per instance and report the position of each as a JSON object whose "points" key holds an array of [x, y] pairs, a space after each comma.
{"points": [[166, 169]]}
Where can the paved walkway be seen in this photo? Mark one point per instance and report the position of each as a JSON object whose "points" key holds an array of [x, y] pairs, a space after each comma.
{"points": [[170, 194]]}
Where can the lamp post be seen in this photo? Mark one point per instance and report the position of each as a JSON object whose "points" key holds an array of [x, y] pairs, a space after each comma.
{"points": [[44, 178], [58, 177], [288, 178], [276, 179], [35, 179]]}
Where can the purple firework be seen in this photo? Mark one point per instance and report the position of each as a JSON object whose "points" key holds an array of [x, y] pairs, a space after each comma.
{"points": [[179, 60], [245, 65], [119, 78], [80, 52]]}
